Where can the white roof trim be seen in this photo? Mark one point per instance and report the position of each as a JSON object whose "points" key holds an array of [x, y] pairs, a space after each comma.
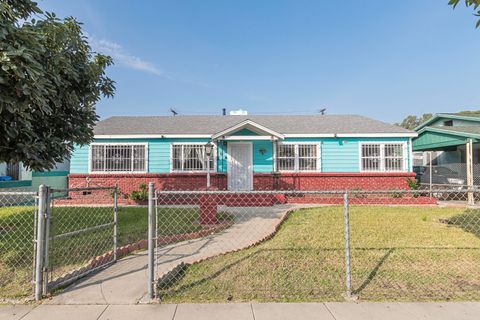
{"points": [[246, 124], [352, 135], [249, 138], [263, 137], [142, 136]]}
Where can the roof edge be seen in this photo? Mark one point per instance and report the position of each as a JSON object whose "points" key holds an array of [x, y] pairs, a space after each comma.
{"points": [[451, 132], [446, 116]]}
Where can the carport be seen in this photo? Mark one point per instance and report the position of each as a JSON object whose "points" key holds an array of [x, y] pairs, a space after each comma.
{"points": [[449, 138]]}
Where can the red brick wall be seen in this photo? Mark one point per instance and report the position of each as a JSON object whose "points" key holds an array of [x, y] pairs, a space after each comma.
{"points": [[332, 181], [131, 182], [261, 181]]}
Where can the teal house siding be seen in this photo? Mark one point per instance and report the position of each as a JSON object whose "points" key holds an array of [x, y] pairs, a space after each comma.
{"points": [[343, 154], [337, 154], [158, 153], [222, 157], [340, 155], [79, 159], [262, 162]]}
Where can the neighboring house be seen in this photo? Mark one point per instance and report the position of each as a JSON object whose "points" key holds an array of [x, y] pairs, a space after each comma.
{"points": [[251, 152], [442, 142], [20, 177]]}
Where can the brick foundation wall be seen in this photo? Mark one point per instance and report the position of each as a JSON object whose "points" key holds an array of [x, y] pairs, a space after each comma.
{"points": [[261, 181], [332, 181]]}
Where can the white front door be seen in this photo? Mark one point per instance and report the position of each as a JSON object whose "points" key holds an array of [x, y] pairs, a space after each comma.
{"points": [[240, 167]]}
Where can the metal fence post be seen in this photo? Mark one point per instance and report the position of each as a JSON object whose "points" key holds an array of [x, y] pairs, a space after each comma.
{"points": [[39, 258], [347, 246], [151, 239], [48, 214], [115, 222]]}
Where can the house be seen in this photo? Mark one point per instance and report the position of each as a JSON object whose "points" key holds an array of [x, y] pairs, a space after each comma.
{"points": [[443, 141], [16, 176], [250, 152]]}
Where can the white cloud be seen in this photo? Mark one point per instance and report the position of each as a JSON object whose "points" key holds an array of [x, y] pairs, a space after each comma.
{"points": [[120, 56]]}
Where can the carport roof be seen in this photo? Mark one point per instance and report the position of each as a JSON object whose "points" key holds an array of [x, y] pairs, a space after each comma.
{"points": [[436, 138]]}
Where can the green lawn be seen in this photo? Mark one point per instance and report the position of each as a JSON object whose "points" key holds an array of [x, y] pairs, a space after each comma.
{"points": [[398, 253], [16, 238]]}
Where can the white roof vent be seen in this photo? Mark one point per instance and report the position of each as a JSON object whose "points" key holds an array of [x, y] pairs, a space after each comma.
{"points": [[238, 112]]}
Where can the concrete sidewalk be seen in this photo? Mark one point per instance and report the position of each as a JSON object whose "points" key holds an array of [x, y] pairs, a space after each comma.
{"points": [[249, 311]]}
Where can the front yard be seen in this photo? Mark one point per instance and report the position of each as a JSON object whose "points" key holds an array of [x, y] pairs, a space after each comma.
{"points": [[398, 253], [17, 234]]}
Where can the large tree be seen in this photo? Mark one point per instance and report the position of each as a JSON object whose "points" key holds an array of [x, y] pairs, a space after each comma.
{"points": [[411, 122], [50, 81], [475, 4]]}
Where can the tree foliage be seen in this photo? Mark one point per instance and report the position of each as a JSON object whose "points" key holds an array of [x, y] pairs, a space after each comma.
{"points": [[475, 4], [50, 81], [412, 121]]}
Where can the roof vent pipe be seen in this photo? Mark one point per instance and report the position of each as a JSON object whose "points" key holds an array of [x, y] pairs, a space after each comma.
{"points": [[224, 111]]}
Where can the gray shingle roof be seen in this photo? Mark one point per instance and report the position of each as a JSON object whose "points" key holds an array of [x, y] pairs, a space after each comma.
{"points": [[284, 124]]}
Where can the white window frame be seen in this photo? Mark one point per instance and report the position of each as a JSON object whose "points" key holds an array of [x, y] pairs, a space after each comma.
{"points": [[296, 161], [117, 144], [382, 144], [213, 156]]}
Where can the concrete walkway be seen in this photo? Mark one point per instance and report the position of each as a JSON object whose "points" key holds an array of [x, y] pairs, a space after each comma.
{"points": [[247, 311], [125, 282]]}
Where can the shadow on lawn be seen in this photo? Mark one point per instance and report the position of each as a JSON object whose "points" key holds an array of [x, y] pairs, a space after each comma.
{"points": [[469, 221], [164, 287], [373, 273]]}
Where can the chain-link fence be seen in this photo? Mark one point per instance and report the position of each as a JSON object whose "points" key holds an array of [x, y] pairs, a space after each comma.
{"points": [[453, 174], [313, 245], [17, 234], [80, 233], [407, 252], [51, 237]]}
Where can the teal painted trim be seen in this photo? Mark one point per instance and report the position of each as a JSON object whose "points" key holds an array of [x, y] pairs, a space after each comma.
{"points": [[15, 184], [49, 173]]}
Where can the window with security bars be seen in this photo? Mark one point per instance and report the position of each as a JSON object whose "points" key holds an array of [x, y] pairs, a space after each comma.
{"points": [[383, 157], [118, 158], [297, 157], [190, 157]]}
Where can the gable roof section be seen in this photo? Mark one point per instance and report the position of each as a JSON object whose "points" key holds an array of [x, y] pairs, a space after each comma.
{"points": [[452, 116], [250, 125], [286, 125]]}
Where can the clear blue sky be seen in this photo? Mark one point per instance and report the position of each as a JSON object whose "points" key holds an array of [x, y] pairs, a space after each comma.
{"points": [[383, 59]]}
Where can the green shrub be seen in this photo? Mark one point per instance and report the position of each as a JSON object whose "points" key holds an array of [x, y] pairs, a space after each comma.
{"points": [[413, 184], [140, 195]]}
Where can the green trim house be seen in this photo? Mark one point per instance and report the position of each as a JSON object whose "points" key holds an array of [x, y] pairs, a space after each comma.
{"points": [[447, 135], [250, 152]]}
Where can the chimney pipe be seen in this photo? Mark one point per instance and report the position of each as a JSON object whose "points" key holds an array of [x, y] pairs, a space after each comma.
{"points": [[224, 111]]}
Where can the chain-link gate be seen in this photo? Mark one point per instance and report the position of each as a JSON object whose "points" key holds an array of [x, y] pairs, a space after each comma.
{"points": [[212, 246], [17, 248], [74, 238]]}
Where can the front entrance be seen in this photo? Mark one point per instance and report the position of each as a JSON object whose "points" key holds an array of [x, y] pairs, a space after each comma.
{"points": [[240, 166]]}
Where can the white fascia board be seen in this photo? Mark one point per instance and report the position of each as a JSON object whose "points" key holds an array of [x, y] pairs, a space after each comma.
{"points": [[230, 138], [146, 136], [352, 135], [378, 135]]}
